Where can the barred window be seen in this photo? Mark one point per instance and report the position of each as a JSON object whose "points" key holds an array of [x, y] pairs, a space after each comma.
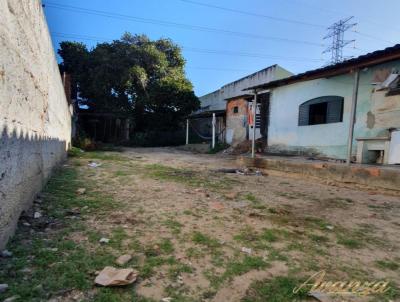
{"points": [[322, 110]]}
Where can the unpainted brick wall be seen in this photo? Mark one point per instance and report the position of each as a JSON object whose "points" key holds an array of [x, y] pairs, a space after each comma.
{"points": [[35, 118]]}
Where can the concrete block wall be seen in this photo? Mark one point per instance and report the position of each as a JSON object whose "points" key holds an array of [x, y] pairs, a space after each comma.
{"points": [[35, 117]]}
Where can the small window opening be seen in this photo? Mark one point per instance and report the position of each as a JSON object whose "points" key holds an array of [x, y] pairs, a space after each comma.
{"points": [[318, 113], [236, 109]]}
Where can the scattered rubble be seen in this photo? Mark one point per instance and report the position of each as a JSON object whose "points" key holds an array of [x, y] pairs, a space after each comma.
{"points": [[111, 276], [94, 164], [81, 191], [104, 240], [243, 171], [246, 250], [124, 259]]}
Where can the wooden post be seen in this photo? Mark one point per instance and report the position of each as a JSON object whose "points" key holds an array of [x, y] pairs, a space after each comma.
{"points": [[213, 130], [253, 142], [187, 131], [353, 112]]}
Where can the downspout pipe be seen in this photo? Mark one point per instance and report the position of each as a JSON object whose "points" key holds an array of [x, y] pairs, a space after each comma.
{"points": [[353, 111]]}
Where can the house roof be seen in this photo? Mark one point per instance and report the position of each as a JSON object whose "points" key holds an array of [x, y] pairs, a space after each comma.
{"points": [[373, 58]]}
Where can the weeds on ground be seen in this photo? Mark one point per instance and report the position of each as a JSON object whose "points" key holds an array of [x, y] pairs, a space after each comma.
{"points": [[188, 177], [279, 289]]}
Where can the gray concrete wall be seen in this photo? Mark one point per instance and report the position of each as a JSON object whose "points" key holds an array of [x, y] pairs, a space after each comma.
{"points": [[35, 119], [272, 73]]}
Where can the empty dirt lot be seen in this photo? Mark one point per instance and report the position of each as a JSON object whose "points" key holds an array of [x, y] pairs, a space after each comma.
{"points": [[196, 234]]}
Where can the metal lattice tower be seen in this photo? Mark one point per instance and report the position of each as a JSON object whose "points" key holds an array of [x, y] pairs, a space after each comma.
{"points": [[336, 32]]}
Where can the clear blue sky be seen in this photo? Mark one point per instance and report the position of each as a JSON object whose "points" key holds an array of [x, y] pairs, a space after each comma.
{"points": [[378, 28]]}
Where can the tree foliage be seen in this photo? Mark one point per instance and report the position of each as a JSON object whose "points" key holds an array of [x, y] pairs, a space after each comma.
{"points": [[132, 76]]}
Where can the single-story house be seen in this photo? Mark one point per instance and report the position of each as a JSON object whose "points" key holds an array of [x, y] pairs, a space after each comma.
{"points": [[312, 113], [232, 106]]}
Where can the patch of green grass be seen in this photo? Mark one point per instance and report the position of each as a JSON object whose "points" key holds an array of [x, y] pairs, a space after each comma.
{"points": [[194, 253], [263, 239], [269, 235], [179, 268], [147, 270], [57, 263], [319, 238], [118, 295], [248, 263], [388, 264], [250, 197], [318, 222], [205, 240], [279, 289], [118, 235], [166, 246], [174, 225], [351, 243], [256, 203], [75, 152], [122, 173], [101, 155], [188, 177]]}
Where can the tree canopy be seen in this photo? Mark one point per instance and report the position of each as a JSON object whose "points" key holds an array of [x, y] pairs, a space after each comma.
{"points": [[134, 77]]}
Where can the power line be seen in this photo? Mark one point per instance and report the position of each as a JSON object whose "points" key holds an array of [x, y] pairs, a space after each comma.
{"points": [[341, 13], [374, 37], [193, 49], [174, 24], [297, 22]]}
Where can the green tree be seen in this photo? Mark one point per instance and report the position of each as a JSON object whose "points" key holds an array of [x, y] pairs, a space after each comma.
{"points": [[133, 76]]}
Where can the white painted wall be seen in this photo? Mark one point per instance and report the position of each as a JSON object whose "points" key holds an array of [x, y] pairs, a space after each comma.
{"points": [[329, 139]]}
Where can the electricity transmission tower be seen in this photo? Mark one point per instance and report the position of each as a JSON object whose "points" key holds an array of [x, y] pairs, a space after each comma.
{"points": [[336, 32]]}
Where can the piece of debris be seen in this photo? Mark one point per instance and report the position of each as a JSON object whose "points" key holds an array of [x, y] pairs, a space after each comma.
{"points": [[124, 259], [330, 227], [216, 205], [223, 170], [94, 165], [6, 254], [111, 276], [27, 224], [104, 240], [81, 191], [168, 299], [37, 215], [180, 279], [246, 250], [3, 287], [231, 195]]}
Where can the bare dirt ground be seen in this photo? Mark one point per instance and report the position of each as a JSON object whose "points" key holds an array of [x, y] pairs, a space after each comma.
{"points": [[200, 235]]}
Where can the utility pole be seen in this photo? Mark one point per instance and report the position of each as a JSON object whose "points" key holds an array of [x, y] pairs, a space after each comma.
{"points": [[214, 122], [336, 32], [253, 141], [187, 131]]}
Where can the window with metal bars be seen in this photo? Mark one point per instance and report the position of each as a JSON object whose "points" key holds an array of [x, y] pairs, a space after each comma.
{"points": [[321, 110]]}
